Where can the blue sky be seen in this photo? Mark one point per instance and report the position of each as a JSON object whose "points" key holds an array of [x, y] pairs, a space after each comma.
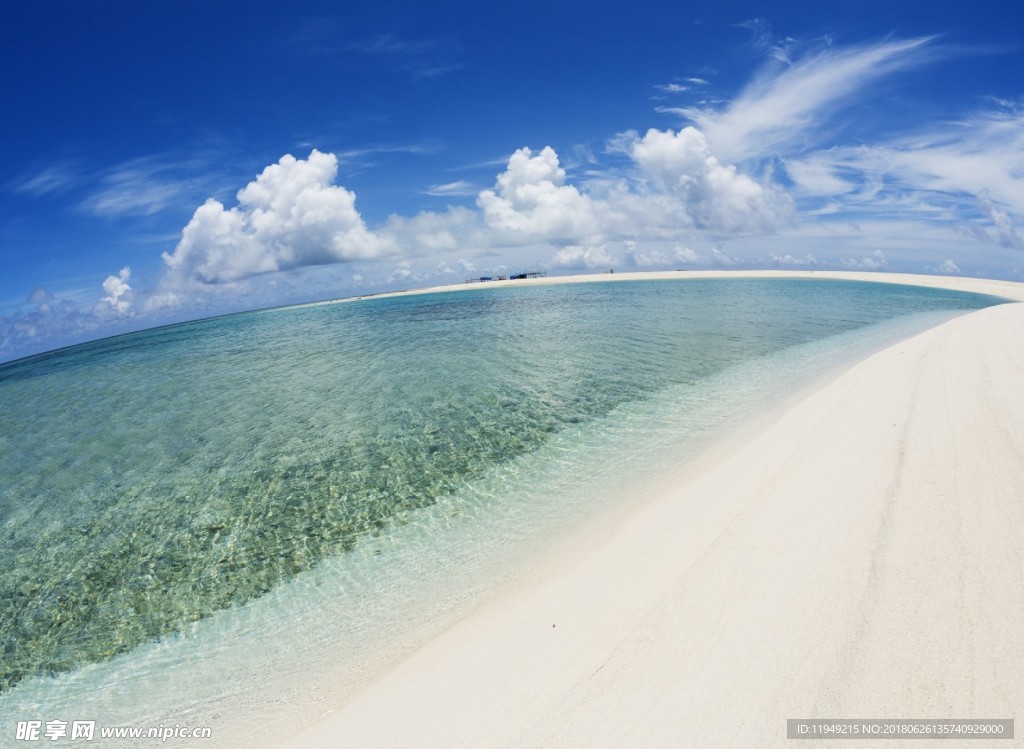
{"points": [[171, 161]]}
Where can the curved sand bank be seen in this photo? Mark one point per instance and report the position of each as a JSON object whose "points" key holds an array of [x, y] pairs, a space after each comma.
{"points": [[1007, 289], [860, 557]]}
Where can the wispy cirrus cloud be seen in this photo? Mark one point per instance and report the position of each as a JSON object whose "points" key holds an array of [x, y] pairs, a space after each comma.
{"points": [[419, 58], [968, 173], [458, 188], [982, 151], [1003, 229], [817, 176], [376, 149], [49, 180], [324, 37], [393, 46], [131, 193], [781, 110], [144, 186], [138, 187], [679, 86], [764, 40]]}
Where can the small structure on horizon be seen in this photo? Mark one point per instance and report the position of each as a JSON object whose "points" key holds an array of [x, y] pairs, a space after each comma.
{"points": [[529, 274], [515, 277]]}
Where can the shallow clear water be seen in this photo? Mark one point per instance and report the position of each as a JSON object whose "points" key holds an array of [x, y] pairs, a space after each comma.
{"points": [[329, 477]]}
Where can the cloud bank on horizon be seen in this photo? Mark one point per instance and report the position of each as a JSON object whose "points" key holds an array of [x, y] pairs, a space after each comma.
{"points": [[773, 177]]}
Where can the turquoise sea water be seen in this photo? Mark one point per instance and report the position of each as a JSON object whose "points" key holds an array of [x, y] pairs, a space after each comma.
{"points": [[203, 491]]}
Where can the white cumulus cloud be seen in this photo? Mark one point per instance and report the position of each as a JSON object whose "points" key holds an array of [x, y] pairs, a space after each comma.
{"points": [[636, 258], [291, 215], [875, 261], [118, 296], [578, 256], [720, 258], [531, 197], [676, 186], [40, 296], [711, 195], [686, 255], [791, 260]]}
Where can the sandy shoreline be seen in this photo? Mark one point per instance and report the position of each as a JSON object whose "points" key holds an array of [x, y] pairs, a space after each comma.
{"points": [[1008, 289], [861, 556]]}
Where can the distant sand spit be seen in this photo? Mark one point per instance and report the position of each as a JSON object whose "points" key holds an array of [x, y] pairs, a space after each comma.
{"points": [[1007, 289]]}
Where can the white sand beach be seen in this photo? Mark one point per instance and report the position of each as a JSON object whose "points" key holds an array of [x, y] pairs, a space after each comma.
{"points": [[1008, 289], [860, 555]]}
